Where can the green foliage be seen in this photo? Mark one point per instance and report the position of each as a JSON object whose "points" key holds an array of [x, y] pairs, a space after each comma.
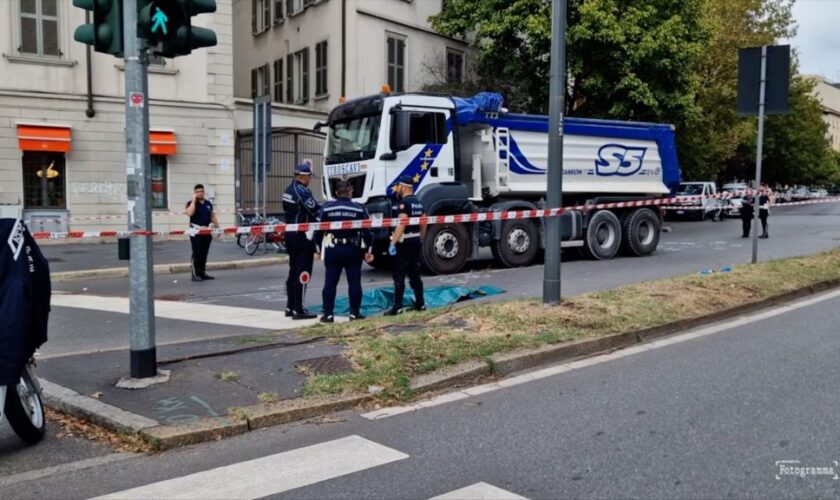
{"points": [[650, 60]]}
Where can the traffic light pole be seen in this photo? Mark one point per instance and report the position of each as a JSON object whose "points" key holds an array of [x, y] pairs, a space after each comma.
{"points": [[554, 193], [142, 304]]}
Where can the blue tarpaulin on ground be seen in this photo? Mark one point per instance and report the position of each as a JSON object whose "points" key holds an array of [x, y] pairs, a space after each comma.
{"points": [[379, 300]]}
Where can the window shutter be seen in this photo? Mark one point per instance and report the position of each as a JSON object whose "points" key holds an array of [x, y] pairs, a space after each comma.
{"points": [[254, 17], [266, 83], [49, 30], [290, 78], [305, 75], [28, 35], [290, 7], [253, 83], [278, 80], [266, 15]]}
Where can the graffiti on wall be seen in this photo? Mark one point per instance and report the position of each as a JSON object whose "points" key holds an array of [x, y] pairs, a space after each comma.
{"points": [[114, 190]]}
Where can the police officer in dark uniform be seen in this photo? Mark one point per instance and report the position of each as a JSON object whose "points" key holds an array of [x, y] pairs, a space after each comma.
{"points": [[201, 214], [344, 249], [406, 247], [299, 207]]}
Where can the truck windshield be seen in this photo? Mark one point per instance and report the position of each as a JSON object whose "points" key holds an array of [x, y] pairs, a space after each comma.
{"points": [[353, 139]]}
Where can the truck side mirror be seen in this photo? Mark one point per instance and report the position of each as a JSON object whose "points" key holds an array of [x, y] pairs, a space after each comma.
{"points": [[400, 131]]}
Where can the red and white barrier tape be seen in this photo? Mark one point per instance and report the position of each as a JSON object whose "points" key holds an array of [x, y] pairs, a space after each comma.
{"points": [[388, 223]]}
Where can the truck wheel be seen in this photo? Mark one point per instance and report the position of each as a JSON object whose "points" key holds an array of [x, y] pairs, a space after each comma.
{"points": [[446, 248], [603, 236], [641, 232], [518, 243]]}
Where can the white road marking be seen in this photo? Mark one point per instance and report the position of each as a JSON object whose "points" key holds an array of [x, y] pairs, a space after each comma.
{"points": [[479, 491], [65, 468], [574, 365], [273, 474], [189, 311]]}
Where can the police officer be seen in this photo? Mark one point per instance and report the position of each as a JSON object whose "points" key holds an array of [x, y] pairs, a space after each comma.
{"points": [[344, 250], [201, 214], [299, 207], [406, 246]]}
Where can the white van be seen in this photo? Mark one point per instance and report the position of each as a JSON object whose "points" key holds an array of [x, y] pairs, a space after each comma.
{"points": [[709, 207]]}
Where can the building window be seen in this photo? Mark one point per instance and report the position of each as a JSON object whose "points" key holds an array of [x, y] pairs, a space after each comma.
{"points": [[278, 11], [39, 28], [160, 182], [321, 69], [43, 180], [260, 16], [302, 76], [454, 66], [396, 63], [278, 80], [260, 84]]}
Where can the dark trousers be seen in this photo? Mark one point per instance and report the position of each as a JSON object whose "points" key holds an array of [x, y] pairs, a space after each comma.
{"points": [[407, 263], [746, 223], [301, 257], [200, 248], [346, 258], [762, 215]]}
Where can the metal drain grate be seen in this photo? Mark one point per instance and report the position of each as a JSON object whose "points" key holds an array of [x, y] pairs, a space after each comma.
{"points": [[325, 365]]}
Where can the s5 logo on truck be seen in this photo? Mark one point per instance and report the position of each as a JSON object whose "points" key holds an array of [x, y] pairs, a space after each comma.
{"points": [[616, 159]]}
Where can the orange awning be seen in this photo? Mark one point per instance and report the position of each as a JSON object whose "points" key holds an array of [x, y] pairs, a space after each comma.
{"points": [[44, 138], [162, 143]]}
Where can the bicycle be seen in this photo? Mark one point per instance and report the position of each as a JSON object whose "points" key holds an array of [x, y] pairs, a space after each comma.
{"points": [[253, 240]]}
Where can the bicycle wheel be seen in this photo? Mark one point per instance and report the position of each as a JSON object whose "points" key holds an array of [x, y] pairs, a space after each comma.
{"points": [[252, 244]]}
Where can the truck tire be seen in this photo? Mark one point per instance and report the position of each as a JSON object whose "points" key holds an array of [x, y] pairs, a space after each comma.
{"points": [[446, 248], [518, 243], [641, 232], [603, 236]]}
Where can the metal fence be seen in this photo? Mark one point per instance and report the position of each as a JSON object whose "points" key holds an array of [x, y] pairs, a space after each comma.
{"points": [[289, 147]]}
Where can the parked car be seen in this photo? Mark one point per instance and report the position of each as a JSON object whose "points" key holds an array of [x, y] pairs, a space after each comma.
{"points": [[708, 207], [733, 198]]}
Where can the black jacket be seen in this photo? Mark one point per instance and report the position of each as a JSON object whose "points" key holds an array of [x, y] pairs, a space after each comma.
{"points": [[24, 299]]}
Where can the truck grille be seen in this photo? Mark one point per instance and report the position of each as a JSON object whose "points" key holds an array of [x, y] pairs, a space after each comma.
{"points": [[357, 182]]}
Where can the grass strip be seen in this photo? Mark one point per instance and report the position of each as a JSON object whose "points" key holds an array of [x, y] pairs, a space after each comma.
{"points": [[389, 352]]}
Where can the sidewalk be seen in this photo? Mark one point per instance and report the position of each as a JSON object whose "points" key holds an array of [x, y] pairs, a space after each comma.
{"points": [[207, 378]]}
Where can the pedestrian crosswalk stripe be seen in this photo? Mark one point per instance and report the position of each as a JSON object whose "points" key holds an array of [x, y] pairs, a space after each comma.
{"points": [[273, 474], [479, 491], [188, 311]]}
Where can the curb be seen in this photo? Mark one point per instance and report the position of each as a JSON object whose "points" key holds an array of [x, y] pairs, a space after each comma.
{"points": [[292, 410], [122, 272]]}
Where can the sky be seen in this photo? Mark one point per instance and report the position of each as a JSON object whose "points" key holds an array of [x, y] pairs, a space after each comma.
{"points": [[818, 38]]}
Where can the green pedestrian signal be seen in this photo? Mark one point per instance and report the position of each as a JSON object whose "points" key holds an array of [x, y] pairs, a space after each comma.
{"points": [[159, 21], [167, 26], [105, 34]]}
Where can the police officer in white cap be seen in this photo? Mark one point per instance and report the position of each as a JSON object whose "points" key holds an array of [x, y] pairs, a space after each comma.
{"points": [[299, 207]]}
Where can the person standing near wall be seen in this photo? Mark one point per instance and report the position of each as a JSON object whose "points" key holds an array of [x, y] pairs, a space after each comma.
{"points": [[201, 214]]}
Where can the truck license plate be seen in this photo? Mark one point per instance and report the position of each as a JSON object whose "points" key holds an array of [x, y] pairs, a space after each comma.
{"points": [[334, 170]]}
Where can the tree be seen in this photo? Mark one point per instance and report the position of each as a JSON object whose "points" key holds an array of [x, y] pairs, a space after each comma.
{"points": [[710, 146], [629, 59]]}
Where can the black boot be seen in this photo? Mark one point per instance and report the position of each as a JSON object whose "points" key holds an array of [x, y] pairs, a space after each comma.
{"points": [[399, 291], [356, 316], [419, 299]]}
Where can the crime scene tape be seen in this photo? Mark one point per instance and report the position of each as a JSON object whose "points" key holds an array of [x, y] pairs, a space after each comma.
{"points": [[394, 222]]}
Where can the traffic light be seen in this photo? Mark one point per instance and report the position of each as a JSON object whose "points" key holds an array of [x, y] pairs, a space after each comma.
{"points": [[106, 32], [167, 26]]}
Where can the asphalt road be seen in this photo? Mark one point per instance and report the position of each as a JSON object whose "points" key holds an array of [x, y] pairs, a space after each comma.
{"points": [[688, 248], [708, 415]]}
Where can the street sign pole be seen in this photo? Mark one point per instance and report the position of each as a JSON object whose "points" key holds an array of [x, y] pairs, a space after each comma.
{"points": [[759, 151], [142, 309], [554, 193]]}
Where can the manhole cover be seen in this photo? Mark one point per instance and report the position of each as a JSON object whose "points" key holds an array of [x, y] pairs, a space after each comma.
{"points": [[325, 365]]}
